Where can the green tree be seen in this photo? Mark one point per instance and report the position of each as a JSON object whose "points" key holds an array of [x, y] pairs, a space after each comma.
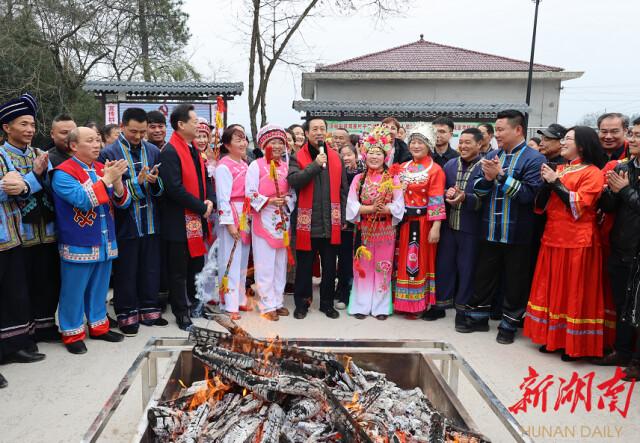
{"points": [[51, 47]]}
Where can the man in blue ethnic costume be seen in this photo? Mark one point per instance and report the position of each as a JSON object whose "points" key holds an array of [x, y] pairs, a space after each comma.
{"points": [[136, 271], [17, 341], [37, 227], [85, 192]]}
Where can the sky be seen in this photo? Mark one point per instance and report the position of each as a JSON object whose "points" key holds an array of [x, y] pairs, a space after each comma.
{"points": [[593, 36]]}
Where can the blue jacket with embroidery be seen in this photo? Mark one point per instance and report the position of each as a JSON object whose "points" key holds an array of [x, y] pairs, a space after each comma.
{"points": [[508, 202], [84, 216], [141, 217], [466, 217]]}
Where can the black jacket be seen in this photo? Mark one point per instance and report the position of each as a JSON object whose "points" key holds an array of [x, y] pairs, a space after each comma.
{"points": [[625, 234], [442, 159], [56, 156], [176, 198], [401, 152], [321, 213]]}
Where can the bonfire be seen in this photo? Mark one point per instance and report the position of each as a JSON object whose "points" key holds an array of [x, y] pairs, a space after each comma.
{"points": [[266, 391]]}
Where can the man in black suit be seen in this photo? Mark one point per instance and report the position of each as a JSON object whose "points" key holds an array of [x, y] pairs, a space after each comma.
{"points": [[188, 204]]}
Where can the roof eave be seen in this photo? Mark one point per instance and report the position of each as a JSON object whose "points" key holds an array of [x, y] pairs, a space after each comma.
{"points": [[187, 89], [439, 75]]}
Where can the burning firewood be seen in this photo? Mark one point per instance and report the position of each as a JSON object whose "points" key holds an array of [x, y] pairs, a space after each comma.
{"points": [[266, 391]]}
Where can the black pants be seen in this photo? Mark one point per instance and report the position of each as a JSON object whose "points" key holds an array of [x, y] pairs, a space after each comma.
{"points": [[345, 266], [304, 271], [42, 265], [136, 280], [512, 264], [16, 325], [625, 333], [182, 277]]}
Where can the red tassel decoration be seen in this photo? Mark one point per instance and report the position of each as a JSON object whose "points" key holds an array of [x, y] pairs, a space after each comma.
{"points": [[361, 272]]}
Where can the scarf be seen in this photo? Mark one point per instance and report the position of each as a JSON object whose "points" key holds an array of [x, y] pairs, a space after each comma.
{"points": [[305, 199], [193, 221]]}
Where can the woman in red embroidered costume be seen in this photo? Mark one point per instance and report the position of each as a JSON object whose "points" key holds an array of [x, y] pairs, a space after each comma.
{"points": [[423, 182], [566, 305], [376, 205]]}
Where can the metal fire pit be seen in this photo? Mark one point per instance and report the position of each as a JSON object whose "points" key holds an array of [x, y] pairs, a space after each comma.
{"points": [[432, 366]]}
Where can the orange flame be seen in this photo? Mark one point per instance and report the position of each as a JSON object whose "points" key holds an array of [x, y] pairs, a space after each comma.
{"points": [[354, 405], [347, 362], [274, 349], [214, 390]]}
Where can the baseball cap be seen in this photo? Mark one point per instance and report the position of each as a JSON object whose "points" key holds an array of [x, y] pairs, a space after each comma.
{"points": [[553, 131]]}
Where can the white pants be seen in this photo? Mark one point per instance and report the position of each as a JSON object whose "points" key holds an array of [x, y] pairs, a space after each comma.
{"points": [[236, 296], [270, 270]]}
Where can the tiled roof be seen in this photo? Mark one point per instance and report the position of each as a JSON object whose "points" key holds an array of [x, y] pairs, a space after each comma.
{"points": [[164, 88], [313, 106], [425, 56]]}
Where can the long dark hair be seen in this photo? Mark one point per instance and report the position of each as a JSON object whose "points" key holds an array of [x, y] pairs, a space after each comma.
{"points": [[589, 147]]}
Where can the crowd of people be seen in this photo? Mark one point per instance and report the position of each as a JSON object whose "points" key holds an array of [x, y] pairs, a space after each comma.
{"points": [[541, 235]]}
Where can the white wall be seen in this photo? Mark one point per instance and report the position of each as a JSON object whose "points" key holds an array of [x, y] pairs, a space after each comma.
{"points": [[544, 98]]}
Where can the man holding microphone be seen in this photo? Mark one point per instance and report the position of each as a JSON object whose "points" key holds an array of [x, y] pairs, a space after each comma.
{"points": [[319, 178]]}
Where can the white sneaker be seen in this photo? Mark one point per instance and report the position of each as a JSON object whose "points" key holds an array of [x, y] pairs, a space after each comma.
{"points": [[341, 306]]}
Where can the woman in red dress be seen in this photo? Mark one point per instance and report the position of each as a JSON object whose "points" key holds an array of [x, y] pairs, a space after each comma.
{"points": [[423, 182], [566, 305]]}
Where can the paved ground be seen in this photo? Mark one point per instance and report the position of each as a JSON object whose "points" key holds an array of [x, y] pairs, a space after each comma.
{"points": [[57, 399]]}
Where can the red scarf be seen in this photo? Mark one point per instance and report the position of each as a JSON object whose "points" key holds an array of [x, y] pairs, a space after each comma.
{"points": [[305, 199], [193, 221]]}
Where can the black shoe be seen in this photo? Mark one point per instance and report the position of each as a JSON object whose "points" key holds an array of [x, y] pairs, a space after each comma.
{"points": [[382, 317], [613, 358], [24, 356], [460, 319], [129, 330], [632, 372], [111, 337], [76, 347], [544, 350], [567, 357], [360, 316], [299, 313], [113, 324], [184, 322], [330, 312], [160, 322], [3, 382], [505, 337], [495, 316], [434, 314], [470, 325]]}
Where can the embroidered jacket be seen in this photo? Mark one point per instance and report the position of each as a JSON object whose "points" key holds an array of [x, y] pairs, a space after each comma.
{"points": [[84, 212], [508, 202], [9, 211], [423, 183], [141, 217], [466, 216], [37, 225]]}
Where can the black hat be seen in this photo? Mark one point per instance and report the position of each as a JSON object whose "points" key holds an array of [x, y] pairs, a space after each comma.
{"points": [[24, 105], [553, 131]]}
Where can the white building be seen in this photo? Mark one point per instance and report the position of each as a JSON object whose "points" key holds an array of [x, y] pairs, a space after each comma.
{"points": [[422, 80]]}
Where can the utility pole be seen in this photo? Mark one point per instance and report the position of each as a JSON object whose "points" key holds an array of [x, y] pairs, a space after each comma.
{"points": [[533, 51]]}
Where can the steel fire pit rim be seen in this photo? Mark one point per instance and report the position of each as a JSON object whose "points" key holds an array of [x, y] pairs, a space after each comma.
{"points": [[180, 343]]}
